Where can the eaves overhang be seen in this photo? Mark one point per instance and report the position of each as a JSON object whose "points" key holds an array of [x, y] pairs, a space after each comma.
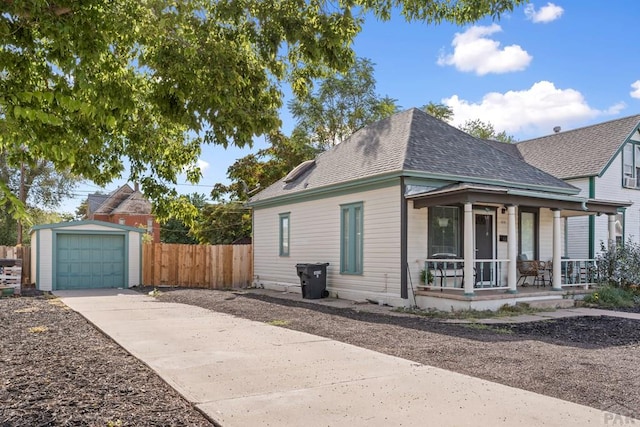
{"points": [[467, 193]]}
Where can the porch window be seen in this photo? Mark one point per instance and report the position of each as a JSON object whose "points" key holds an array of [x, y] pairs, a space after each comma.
{"points": [[528, 233], [284, 234], [444, 231], [351, 219]]}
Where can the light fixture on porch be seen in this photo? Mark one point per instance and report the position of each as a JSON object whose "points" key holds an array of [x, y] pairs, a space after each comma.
{"points": [[443, 222]]}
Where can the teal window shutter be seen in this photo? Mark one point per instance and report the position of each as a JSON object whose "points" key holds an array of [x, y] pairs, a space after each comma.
{"points": [[285, 223], [351, 237]]}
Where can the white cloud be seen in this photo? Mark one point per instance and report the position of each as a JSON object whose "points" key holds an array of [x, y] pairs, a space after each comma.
{"points": [[635, 93], [530, 112], [545, 14], [203, 165], [474, 51]]}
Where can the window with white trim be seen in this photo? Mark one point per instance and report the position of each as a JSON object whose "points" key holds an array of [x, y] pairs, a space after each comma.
{"points": [[351, 219], [631, 165], [284, 233], [444, 231]]}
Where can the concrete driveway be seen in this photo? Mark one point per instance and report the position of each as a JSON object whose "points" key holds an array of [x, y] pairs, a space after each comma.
{"points": [[245, 373]]}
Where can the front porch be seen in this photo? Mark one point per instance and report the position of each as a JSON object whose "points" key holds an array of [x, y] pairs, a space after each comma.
{"points": [[489, 246], [493, 299]]}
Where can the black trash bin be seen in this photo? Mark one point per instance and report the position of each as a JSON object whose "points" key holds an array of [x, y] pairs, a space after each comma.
{"points": [[313, 280]]}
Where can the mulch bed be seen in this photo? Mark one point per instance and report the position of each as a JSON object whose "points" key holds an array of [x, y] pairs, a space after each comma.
{"points": [[70, 374], [58, 370]]}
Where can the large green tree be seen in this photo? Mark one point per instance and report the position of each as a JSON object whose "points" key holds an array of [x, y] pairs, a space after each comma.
{"points": [[439, 111], [342, 104], [176, 231], [96, 85], [222, 223], [40, 187], [485, 130]]}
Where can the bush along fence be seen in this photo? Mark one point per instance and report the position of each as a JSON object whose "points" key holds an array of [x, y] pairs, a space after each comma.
{"points": [[19, 256], [197, 266]]}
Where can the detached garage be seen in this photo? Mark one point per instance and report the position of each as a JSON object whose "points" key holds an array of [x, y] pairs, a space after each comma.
{"points": [[86, 255]]}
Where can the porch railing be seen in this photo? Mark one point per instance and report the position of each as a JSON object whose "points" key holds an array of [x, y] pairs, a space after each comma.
{"points": [[449, 274], [578, 272], [491, 274]]}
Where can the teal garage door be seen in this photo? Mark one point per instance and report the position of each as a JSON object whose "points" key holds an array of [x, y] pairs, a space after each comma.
{"points": [[85, 261]]}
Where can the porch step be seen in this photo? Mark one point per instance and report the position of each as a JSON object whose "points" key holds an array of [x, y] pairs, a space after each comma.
{"points": [[550, 303]]}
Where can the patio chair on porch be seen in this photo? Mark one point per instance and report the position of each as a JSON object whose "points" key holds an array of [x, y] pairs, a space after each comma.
{"points": [[529, 268]]}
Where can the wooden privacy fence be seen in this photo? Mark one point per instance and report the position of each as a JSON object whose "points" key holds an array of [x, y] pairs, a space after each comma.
{"points": [[19, 252], [197, 266]]}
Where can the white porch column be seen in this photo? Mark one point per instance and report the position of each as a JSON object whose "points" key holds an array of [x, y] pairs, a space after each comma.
{"points": [[469, 250], [512, 278], [557, 251], [612, 231]]}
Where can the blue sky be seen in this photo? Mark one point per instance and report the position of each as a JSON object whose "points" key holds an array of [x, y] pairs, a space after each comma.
{"points": [[562, 63]]}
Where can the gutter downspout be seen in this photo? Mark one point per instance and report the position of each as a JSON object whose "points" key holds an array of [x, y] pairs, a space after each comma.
{"points": [[404, 294], [592, 220]]}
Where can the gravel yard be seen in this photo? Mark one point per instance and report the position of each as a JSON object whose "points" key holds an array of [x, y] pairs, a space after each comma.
{"points": [[58, 370]]}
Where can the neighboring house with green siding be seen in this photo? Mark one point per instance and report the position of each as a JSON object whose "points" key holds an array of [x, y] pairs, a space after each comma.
{"points": [[603, 161], [412, 193]]}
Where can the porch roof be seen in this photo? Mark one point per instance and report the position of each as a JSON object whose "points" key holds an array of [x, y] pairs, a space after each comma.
{"points": [[479, 194]]}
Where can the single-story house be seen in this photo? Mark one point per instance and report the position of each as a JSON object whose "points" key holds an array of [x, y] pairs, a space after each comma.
{"points": [[411, 193], [603, 161], [86, 255]]}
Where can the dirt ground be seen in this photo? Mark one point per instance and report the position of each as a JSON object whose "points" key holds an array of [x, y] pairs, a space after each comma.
{"points": [[60, 371]]}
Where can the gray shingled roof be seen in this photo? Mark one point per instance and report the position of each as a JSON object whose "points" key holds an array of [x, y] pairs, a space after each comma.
{"points": [[579, 152], [94, 201], [414, 141]]}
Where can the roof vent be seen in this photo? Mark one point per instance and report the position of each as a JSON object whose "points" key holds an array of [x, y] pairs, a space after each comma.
{"points": [[557, 129], [299, 170]]}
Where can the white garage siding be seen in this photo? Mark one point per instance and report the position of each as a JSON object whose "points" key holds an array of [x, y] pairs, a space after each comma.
{"points": [[315, 237], [43, 256]]}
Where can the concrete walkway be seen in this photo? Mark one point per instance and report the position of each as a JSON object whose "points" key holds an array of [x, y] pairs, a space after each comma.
{"points": [[245, 373], [374, 308]]}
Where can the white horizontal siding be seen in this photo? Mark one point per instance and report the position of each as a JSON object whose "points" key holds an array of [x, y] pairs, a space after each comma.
{"points": [[577, 238], [545, 235], [416, 242], [582, 184], [44, 260], [609, 187], [315, 237], [134, 261], [577, 232], [34, 255]]}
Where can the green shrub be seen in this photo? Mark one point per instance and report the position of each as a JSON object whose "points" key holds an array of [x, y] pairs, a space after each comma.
{"points": [[619, 266], [426, 276], [612, 296]]}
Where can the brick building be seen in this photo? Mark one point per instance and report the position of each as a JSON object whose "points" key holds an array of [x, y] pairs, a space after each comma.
{"points": [[124, 206]]}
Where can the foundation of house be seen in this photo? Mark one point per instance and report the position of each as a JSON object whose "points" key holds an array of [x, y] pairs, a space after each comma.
{"points": [[447, 300]]}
